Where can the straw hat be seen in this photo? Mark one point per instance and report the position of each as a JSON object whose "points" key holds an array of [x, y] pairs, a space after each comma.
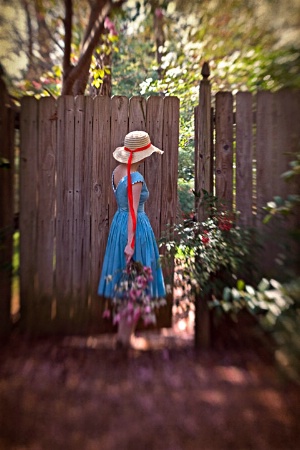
{"points": [[140, 144]]}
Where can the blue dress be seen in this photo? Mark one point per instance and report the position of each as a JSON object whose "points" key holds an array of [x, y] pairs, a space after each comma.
{"points": [[146, 250]]}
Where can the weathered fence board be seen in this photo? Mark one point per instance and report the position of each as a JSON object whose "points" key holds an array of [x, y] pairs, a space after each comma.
{"points": [[7, 118], [169, 172], [101, 186], [82, 199], [264, 152], [137, 119], [244, 157], [203, 142], [101, 192], [170, 161], [224, 147], [65, 207], [153, 165], [137, 114], [119, 128], [28, 206], [68, 202], [46, 159]]}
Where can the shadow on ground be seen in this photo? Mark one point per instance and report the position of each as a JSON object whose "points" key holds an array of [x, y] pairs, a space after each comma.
{"points": [[81, 394]]}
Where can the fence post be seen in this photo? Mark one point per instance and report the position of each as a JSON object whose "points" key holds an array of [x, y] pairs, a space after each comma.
{"points": [[203, 180], [203, 141], [6, 209]]}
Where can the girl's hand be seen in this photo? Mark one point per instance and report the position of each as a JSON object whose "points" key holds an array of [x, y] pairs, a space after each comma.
{"points": [[129, 251]]}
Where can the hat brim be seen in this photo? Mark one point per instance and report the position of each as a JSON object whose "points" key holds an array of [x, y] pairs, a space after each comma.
{"points": [[122, 155]]}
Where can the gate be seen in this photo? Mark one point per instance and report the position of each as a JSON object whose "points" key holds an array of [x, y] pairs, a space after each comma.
{"points": [[67, 203]]}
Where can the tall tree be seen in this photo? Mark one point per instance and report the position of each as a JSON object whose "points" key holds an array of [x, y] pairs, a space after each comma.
{"points": [[75, 76], [59, 40]]}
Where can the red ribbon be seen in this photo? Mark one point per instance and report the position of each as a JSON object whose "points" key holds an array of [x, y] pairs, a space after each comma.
{"points": [[129, 185]]}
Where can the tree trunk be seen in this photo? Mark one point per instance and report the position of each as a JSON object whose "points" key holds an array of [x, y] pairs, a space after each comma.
{"points": [[75, 78]]}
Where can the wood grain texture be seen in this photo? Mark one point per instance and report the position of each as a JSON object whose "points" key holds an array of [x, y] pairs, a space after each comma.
{"points": [[203, 155], [64, 207], [286, 113], [153, 164], [28, 208], [82, 200], [119, 129], [224, 147], [66, 176], [7, 118], [264, 152], [46, 159], [170, 161], [100, 188], [244, 157], [169, 198], [137, 119], [137, 114]]}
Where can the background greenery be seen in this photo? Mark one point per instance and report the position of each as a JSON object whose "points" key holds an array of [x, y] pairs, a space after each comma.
{"points": [[249, 45]]}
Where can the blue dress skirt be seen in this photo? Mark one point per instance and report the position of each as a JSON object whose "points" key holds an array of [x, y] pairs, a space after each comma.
{"points": [[146, 250]]}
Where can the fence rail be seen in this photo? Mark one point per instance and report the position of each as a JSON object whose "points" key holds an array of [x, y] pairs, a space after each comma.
{"points": [[67, 204]]}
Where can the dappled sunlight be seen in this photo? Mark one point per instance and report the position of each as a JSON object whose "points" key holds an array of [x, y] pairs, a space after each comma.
{"points": [[213, 397], [233, 375], [104, 398]]}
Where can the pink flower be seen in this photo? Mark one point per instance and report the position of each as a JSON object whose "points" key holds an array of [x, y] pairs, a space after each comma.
{"points": [[36, 85], [110, 26], [129, 307], [129, 320], [148, 270], [141, 281], [147, 309], [116, 319], [159, 13], [133, 294]]}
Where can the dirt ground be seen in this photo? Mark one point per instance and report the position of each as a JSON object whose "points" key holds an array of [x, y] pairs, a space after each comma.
{"points": [[82, 394]]}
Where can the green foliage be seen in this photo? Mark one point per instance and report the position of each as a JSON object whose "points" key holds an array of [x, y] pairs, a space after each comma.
{"points": [[210, 254], [277, 307], [135, 60], [285, 207], [186, 199]]}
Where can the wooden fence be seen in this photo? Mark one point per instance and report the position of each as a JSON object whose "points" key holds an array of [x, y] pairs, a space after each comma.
{"points": [[67, 203], [244, 142]]}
